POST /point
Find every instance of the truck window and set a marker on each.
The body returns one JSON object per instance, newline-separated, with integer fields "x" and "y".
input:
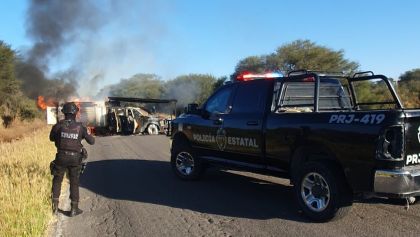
{"x": 373, "y": 95}
{"x": 332, "y": 96}
{"x": 249, "y": 97}
{"x": 299, "y": 96}
{"x": 218, "y": 103}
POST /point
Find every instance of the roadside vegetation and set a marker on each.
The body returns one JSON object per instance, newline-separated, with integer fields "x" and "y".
{"x": 19, "y": 129}
{"x": 25, "y": 184}
{"x": 14, "y": 104}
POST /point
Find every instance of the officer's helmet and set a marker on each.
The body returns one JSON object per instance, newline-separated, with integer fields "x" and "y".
{"x": 70, "y": 108}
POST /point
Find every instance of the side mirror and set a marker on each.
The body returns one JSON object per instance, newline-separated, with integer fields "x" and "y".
{"x": 205, "y": 114}
{"x": 191, "y": 109}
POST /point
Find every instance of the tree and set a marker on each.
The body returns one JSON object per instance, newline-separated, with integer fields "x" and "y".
{"x": 413, "y": 75}
{"x": 256, "y": 64}
{"x": 140, "y": 85}
{"x": 9, "y": 86}
{"x": 13, "y": 103}
{"x": 409, "y": 88}
{"x": 219, "y": 82}
{"x": 192, "y": 88}
{"x": 299, "y": 54}
{"x": 8, "y": 82}
{"x": 304, "y": 54}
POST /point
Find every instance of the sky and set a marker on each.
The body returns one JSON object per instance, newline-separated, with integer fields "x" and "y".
{"x": 174, "y": 37}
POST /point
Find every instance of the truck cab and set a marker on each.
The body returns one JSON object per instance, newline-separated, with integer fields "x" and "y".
{"x": 309, "y": 127}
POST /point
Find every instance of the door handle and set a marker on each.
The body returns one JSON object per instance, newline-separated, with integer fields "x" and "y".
{"x": 252, "y": 123}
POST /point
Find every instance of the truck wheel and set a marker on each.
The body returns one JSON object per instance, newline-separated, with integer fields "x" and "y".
{"x": 183, "y": 161}
{"x": 152, "y": 129}
{"x": 322, "y": 192}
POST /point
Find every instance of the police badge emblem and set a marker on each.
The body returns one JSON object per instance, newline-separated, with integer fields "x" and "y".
{"x": 221, "y": 139}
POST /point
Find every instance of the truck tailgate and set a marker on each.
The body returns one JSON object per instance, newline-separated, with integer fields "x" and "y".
{"x": 412, "y": 136}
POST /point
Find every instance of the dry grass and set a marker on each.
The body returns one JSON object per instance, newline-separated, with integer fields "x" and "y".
{"x": 25, "y": 184}
{"x": 19, "y": 129}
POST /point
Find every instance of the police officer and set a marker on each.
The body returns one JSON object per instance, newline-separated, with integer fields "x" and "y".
{"x": 67, "y": 135}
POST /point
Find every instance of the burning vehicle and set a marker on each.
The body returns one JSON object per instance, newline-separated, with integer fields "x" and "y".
{"x": 118, "y": 115}
{"x": 135, "y": 120}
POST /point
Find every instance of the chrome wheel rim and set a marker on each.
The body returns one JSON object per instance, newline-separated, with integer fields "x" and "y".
{"x": 184, "y": 163}
{"x": 315, "y": 192}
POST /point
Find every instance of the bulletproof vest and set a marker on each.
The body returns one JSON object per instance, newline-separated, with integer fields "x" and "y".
{"x": 70, "y": 136}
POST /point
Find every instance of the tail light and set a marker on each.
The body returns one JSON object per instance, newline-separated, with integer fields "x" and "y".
{"x": 391, "y": 144}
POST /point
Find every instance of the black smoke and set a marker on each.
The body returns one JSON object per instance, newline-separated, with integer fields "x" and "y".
{"x": 52, "y": 26}
{"x": 93, "y": 42}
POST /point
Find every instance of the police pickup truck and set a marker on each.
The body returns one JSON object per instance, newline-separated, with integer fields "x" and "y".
{"x": 324, "y": 132}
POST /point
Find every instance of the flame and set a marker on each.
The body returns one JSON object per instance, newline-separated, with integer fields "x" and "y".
{"x": 80, "y": 99}
{"x": 42, "y": 104}
{"x": 77, "y": 102}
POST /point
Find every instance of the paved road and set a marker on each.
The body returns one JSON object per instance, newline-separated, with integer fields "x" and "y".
{"x": 129, "y": 190}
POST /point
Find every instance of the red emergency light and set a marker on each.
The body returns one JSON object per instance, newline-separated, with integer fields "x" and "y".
{"x": 247, "y": 76}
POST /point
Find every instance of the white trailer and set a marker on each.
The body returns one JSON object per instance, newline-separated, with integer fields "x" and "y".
{"x": 91, "y": 114}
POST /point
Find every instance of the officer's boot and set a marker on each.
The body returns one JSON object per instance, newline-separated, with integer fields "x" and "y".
{"x": 55, "y": 206}
{"x": 75, "y": 209}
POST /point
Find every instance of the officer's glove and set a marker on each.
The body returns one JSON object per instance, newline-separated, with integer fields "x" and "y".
{"x": 84, "y": 154}
{"x": 83, "y": 167}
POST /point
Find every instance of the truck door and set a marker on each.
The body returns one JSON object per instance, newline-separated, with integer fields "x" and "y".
{"x": 285, "y": 125}
{"x": 206, "y": 127}
{"x": 243, "y": 126}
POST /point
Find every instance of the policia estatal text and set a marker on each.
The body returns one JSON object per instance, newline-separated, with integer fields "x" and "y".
{"x": 67, "y": 135}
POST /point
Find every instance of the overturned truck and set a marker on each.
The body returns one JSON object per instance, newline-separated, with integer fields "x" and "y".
{"x": 121, "y": 115}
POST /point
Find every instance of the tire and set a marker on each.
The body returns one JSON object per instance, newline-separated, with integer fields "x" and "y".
{"x": 185, "y": 164}
{"x": 152, "y": 129}
{"x": 322, "y": 192}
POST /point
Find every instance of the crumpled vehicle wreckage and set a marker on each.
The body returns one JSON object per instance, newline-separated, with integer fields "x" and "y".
{"x": 135, "y": 120}
{"x": 120, "y": 115}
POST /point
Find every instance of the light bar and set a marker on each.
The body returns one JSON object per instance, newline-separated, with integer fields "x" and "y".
{"x": 246, "y": 76}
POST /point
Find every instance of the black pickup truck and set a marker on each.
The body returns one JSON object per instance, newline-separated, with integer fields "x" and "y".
{"x": 311, "y": 128}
